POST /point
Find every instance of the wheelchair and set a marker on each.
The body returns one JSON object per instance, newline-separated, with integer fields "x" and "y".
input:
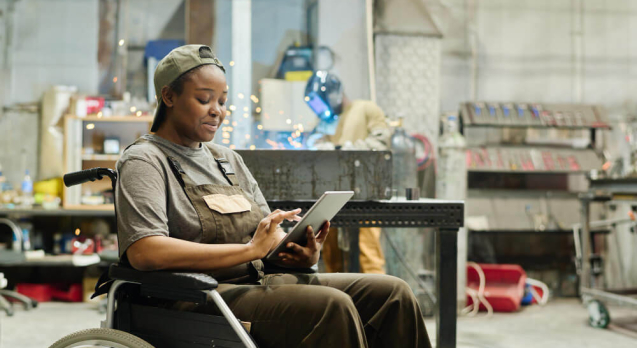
{"x": 133, "y": 319}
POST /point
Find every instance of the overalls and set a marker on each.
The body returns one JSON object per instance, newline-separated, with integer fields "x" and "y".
{"x": 226, "y": 213}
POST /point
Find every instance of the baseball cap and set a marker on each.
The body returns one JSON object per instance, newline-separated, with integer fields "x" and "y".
{"x": 176, "y": 63}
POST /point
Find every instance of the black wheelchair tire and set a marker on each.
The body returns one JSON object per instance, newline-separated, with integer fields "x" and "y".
{"x": 104, "y": 337}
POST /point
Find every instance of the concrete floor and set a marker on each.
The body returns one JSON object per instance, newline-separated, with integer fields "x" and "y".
{"x": 562, "y": 323}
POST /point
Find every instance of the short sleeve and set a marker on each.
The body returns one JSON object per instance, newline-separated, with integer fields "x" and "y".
{"x": 140, "y": 198}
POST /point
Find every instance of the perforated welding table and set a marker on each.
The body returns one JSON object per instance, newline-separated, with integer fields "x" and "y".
{"x": 446, "y": 217}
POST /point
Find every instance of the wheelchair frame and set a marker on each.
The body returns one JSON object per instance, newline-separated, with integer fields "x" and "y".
{"x": 158, "y": 326}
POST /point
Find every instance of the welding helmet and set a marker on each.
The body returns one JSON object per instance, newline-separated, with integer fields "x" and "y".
{"x": 324, "y": 95}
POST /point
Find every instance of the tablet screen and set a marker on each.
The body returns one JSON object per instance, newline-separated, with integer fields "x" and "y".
{"x": 322, "y": 211}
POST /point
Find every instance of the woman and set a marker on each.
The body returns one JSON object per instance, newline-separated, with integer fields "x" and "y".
{"x": 184, "y": 205}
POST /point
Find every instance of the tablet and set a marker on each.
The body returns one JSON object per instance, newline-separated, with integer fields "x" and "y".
{"x": 322, "y": 211}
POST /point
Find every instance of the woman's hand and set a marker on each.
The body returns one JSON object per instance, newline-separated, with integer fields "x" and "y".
{"x": 265, "y": 236}
{"x": 308, "y": 255}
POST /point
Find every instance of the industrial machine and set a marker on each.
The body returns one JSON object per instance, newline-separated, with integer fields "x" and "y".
{"x": 526, "y": 163}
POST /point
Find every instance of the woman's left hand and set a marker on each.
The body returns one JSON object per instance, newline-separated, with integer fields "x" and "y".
{"x": 306, "y": 256}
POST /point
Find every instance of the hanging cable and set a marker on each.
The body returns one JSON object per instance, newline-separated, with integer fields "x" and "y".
{"x": 413, "y": 274}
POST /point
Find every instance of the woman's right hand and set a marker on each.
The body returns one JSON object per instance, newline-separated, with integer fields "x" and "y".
{"x": 265, "y": 236}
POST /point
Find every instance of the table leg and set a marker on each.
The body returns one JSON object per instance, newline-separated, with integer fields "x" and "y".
{"x": 446, "y": 279}
{"x": 354, "y": 265}
{"x": 585, "y": 276}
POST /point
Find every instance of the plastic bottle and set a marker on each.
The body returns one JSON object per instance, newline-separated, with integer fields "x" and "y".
{"x": 2, "y": 180}
{"x": 404, "y": 160}
{"x": 26, "y": 200}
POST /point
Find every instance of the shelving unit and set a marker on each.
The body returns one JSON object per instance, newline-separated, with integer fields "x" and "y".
{"x": 522, "y": 187}
{"x": 80, "y": 151}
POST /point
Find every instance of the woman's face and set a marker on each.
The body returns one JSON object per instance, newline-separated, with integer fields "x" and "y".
{"x": 200, "y": 109}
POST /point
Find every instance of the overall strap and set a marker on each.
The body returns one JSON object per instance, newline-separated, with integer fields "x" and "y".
{"x": 182, "y": 177}
{"x": 224, "y": 166}
{"x": 226, "y": 169}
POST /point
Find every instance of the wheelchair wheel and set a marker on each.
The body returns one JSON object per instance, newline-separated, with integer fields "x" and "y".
{"x": 106, "y": 338}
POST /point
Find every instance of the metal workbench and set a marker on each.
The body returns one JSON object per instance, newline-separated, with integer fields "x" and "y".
{"x": 445, "y": 217}
{"x": 592, "y": 292}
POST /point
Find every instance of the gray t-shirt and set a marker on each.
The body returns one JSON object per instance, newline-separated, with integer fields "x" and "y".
{"x": 151, "y": 202}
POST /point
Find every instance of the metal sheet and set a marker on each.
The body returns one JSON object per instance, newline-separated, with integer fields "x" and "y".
{"x": 306, "y": 174}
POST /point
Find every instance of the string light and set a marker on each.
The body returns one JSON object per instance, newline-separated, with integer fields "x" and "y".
{"x": 288, "y": 121}
{"x": 133, "y": 109}
{"x": 115, "y": 79}
{"x": 226, "y": 121}
{"x": 231, "y": 63}
{"x": 232, "y": 147}
{"x": 139, "y": 113}
{"x": 246, "y": 115}
{"x": 77, "y": 231}
{"x": 234, "y": 123}
{"x": 259, "y": 127}
{"x": 252, "y": 147}
{"x": 225, "y": 135}
{"x": 240, "y": 95}
{"x": 245, "y": 108}
{"x": 99, "y": 114}
{"x": 258, "y": 109}
{"x": 226, "y": 141}
{"x": 121, "y": 42}
{"x": 232, "y": 107}
{"x": 228, "y": 113}
{"x": 90, "y": 126}
{"x": 307, "y": 98}
{"x": 247, "y": 136}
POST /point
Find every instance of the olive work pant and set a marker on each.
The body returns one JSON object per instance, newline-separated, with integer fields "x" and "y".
{"x": 326, "y": 310}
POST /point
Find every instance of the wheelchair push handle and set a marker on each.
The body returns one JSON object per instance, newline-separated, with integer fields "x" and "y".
{"x": 80, "y": 177}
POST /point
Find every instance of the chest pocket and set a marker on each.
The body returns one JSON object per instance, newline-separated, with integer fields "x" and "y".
{"x": 224, "y": 204}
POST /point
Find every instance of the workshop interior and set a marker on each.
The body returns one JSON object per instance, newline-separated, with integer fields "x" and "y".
{"x": 161, "y": 161}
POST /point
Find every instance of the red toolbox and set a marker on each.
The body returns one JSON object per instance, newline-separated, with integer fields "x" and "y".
{"x": 504, "y": 286}
{"x": 48, "y": 292}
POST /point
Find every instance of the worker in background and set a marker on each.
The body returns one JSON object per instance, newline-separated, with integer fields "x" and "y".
{"x": 348, "y": 125}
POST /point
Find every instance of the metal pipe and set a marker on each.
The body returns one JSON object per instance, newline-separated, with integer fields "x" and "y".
{"x": 110, "y": 304}
{"x": 17, "y": 231}
{"x": 234, "y": 322}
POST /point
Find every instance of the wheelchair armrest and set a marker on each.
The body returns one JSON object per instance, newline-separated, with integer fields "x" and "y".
{"x": 180, "y": 280}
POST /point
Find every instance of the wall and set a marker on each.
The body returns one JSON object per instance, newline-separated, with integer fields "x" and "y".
{"x": 531, "y": 50}
{"x": 42, "y": 47}
{"x": 150, "y": 20}
{"x": 342, "y": 28}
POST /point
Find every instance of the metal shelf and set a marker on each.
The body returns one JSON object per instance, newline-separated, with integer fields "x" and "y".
{"x": 95, "y": 118}
{"x": 535, "y": 159}
{"x": 535, "y": 126}
{"x": 100, "y": 157}
{"x": 101, "y": 210}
